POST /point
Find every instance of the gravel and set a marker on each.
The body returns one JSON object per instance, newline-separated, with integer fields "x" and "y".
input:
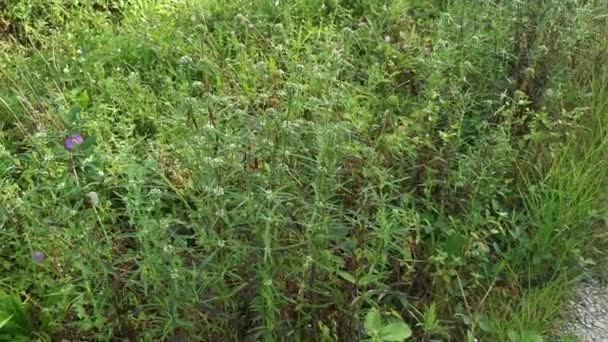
{"x": 590, "y": 312}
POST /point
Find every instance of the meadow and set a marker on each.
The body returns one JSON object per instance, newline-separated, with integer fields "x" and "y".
{"x": 303, "y": 170}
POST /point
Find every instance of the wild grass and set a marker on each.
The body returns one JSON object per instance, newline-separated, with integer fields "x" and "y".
{"x": 303, "y": 170}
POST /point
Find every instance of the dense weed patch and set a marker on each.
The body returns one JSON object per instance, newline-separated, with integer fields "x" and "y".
{"x": 306, "y": 170}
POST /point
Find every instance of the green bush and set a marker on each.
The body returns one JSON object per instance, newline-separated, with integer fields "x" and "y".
{"x": 285, "y": 169}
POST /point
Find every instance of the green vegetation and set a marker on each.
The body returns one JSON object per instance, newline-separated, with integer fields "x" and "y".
{"x": 327, "y": 170}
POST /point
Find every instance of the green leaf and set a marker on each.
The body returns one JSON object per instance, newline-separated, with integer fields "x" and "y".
{"x": 373, "y": 322}
{"x": 72, "y": 116}
{"x": 347, "y": 276}
{"x": 90, "y": 141}
{"x": 13, "y": 318}
{"x": 3, "y": 323}
{"x": 395, "y": 331}
{"x": 454, "y": 244}
{"x": 366, "y": 280}
{"x": 526, "y": 336}
{"x": 82, "y": 99}
{"x": 531, "y": 337}
{"x": 486, "y": 324}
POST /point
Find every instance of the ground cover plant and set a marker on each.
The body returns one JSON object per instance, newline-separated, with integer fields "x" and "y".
{"x": 323, "y": 170}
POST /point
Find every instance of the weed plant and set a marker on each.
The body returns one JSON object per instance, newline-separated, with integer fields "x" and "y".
{"x": 298, "y": 170}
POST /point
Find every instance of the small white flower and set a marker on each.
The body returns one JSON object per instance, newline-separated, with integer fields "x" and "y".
{"x": 155, "y": 193}
{"x": 185, "y": 60}
{"x": 221, "y": 244}
{"x": 66, "y": 70}
{"x": 168, "y": 249}
{"x": 197, "y": 84}
{"x": 174, "y": 274}
{"x": 40, "y": 135}
{"x": 79, "y": 52}
{"x": 387, "y": 39}
{"x": 218, "y": 191}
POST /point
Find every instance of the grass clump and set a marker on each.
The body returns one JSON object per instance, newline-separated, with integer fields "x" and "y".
{"x": 324, "y": 170}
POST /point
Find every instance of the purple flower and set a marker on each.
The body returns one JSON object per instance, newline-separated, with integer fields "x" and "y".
{"x": 38, "y": 257}
{"x": 72, "y": 141}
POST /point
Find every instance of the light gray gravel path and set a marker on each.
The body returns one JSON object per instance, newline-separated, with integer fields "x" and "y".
{"x": 590, "y": 312}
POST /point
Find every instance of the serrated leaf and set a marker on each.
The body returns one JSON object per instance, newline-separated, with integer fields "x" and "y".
{"x": 395, "y": 331}
{"x": 373, "y": 322}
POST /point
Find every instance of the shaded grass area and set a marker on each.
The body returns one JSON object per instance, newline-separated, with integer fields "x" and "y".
{"x": 288, "y": 170}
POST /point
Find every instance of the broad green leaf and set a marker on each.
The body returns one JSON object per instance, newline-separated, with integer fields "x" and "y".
{"x": 90, "y": 141}
{"x": 395, "y": 331}
{"x": 73, "y": 115}
{"x": 486, "y": 324}
{"x": 83, "y": 99}
{"x": 373, "y": 322}
{"x": 453, "y": 244}
{"x": 347, "y": 276}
